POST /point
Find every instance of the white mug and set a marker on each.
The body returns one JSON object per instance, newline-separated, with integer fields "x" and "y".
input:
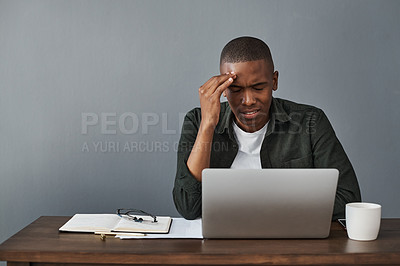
{"x": 363, "y": 220}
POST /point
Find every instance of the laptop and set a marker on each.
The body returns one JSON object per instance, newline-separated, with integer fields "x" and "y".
{"x": 268, "y": 203}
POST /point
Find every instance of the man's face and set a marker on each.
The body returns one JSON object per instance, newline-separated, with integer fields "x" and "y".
{"x": 250, "y": 94}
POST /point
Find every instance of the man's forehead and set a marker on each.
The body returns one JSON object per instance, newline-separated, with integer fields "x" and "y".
{"x": 248, "y": 73}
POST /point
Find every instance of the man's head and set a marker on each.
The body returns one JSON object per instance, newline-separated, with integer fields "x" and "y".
{"x": 244, "y": 49}
{"x": 250, "y": 94}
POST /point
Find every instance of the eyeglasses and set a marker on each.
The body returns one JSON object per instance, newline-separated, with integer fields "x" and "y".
{"x": 130, "y": 213}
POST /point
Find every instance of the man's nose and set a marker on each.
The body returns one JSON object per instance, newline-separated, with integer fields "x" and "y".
{"x": 248, "y": 97}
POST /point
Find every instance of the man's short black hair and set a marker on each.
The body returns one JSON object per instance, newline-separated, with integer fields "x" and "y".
{"x": 244, "y": 49}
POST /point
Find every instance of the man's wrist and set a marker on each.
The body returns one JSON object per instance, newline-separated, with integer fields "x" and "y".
{"x": 206, "y": 132}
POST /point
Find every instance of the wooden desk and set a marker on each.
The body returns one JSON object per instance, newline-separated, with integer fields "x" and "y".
{"x": 40, "y": 243}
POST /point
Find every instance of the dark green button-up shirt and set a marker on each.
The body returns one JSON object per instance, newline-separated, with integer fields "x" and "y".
{"x": 298, "y": 136}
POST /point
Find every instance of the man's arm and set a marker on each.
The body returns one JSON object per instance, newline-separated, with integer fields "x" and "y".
{"x": 195, "y": 144}
{"x": 187, "y": 190}
{"x": 329, "y": 153}
{"x": 209, "y": 94}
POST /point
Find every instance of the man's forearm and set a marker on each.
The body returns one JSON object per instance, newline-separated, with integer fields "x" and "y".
{"x": 199, "y": 157}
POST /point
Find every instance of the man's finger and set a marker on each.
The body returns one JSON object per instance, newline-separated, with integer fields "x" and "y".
{"x": 220, "y": 89}
{"x": 216, "y": 82}
{"x": 206, "y": 85}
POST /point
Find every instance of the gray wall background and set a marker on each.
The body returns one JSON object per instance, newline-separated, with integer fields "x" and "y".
{"x": 61, "y": 60}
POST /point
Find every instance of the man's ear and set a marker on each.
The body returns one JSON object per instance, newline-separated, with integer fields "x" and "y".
{"x": 224, "y": 93}
{"x": 275, "y": 81}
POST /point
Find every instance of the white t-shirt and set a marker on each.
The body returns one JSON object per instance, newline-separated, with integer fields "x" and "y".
{"x": 248, "y": 156}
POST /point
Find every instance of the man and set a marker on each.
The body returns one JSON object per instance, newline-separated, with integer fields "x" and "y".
{"x": 254, "y": 129}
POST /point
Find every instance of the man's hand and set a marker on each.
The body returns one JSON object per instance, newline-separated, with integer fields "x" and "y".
{"x": 210, "y": 94}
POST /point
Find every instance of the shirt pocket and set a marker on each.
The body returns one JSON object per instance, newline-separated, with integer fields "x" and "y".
{"x": 303, "y": 162}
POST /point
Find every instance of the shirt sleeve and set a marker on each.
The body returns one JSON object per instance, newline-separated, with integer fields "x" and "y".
{"x": 187, "y": 190}
{"x": 329, "y": 153}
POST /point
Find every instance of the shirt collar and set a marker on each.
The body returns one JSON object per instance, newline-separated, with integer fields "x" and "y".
{"x": 277, "y": 111}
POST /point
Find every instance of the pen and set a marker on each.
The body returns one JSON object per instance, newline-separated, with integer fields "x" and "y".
{"x": 107, "y": 233}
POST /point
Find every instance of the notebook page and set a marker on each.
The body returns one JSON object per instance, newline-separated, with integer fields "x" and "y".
{"x": 91, "y": 222}
{"x": 127, "y": 225}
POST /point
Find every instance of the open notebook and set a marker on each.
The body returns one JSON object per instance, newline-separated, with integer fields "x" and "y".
{"x": 91, "y": 223}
